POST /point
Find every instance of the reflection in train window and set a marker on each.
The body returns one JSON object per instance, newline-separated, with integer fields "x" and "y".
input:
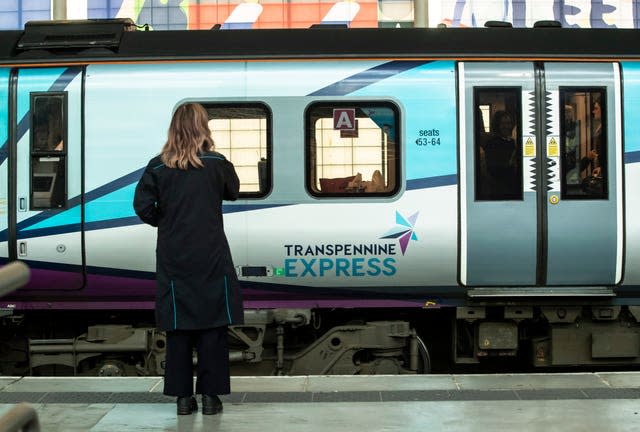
{"x": 583, "y": 143}
{"x": 47, "y": 120}
{"x": 352, "y": 149}
{"x": 48, "y": 150}
{"x": 497, "y": 138}
{"x": 242, "y": 132}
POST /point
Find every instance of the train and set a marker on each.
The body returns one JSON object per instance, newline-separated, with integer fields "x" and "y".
{"x": 412, "y": 200}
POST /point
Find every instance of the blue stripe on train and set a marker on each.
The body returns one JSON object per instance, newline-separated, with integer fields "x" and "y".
{"x": 632, "y": 157}
{"x": 368, "y": 77}
{"x": 101, "y": 213}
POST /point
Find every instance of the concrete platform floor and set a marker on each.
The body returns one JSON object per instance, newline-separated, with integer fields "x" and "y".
{"x": 540, "y": 402}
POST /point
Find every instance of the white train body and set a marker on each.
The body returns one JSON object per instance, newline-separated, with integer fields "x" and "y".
{"x": 369, "y": 183}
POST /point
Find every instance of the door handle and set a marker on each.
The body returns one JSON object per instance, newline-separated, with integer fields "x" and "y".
{"x": 22, "y": 204}
{"x": 22, "y": 249}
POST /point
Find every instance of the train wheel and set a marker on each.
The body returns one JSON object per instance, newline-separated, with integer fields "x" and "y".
{"x": 424, "y": 360}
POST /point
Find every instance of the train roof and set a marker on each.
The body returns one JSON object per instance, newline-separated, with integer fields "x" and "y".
{"x": 112, "y": 41}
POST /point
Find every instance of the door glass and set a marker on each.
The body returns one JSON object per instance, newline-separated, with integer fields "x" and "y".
{"x": 583, "y": 143}
{"x": 48, "y": 122}
{"x": 241, "y": 132}
{"x": 48, "y": 151}
{"x": 498, "y": 152}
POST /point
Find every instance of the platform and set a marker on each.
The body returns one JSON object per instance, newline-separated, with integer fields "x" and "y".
{"x": 540, "y": 402}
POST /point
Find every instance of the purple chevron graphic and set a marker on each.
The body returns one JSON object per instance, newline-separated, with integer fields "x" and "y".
{"x": 403, "y": 230}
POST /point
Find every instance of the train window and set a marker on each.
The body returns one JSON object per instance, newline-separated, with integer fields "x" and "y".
{"x": 583, "y": 143}
{"x": 352, "y": 149}
{"x": 241, "y": 132}
{"x": 48, "y": 150}
{"x": 497, "y": 143}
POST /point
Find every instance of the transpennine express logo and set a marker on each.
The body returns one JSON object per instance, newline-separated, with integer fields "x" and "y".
{"x": 347, "y": 259}
{"x": 403, "y": 230}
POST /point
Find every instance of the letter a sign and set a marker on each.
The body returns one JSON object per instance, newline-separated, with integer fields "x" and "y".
{"x": 344, "y": 119}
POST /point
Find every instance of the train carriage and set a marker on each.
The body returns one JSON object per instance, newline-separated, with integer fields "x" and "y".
{"x": 462, "y": 194}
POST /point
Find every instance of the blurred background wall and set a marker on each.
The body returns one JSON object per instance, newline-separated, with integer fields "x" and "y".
{"x": 234, "y": 14}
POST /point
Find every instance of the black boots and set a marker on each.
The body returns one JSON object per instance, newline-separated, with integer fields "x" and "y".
{"x": 211, "y": 405}
{"x": 187, "y": 405}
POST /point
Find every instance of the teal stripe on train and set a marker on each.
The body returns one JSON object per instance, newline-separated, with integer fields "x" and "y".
{"x": 631, "y": 104}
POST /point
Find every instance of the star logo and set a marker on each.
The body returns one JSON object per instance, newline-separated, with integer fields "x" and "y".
{"x": 403, "y": 230}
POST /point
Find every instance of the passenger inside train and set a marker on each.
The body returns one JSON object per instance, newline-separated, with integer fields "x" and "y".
{"x": 498, "y": 149}
{"x": 502, "y": 157}
{"x": 584, "y": 156}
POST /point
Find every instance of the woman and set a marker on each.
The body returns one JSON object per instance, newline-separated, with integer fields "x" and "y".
{"x": 198, "y": 296}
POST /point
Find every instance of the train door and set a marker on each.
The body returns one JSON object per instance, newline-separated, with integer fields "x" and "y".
{"x": 540, "y": 183}
{"x": 47, "y": 172}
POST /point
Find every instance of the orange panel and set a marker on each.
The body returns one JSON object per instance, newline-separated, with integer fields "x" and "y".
{"x": 202, "y": 17}
{"x": 280, "y": 14}
{"x": 273, "y": 12}
{"x": 305, "y": 12}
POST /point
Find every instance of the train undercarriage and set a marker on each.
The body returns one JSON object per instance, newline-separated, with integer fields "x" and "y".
{"x": 331, "y": 342}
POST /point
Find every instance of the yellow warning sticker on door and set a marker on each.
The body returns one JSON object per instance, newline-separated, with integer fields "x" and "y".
{"x": 529, "y": 148}
{"x": 552, "y": 148}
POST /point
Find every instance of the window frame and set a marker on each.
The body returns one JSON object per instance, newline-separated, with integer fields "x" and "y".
{"x": 269, "y": 140}
{"x": 562, "y": 99}
{"x": 61, "y": 155}
{"x": 309, "y": 153}
{"x": 516, "y": 91}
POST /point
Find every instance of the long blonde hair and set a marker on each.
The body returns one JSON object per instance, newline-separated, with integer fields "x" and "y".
{"x": 189, "y": 135}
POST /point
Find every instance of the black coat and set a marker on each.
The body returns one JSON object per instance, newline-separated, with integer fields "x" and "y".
{"x": 197, "y": 286}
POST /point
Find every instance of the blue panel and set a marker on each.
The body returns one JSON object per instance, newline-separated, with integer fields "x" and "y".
{"x": 95, "y": 13}
{"x": 631, "y": 80}
{"x": 9, "y": 5}
{"x": 4, "y": 108}
{"x": 237, "y": 25}
{"x": 68, "y": 217}
{"x": 162, "y": 14}
{"x": 115, "y": 205}
{"x": 9, "y": 21}
{"x": 36, "y": 5}
{"x": 104, "y": 8}
{"x": 427, "y": 93}
{"x": 4, "y": 122}
{"x": 104, "y": 4}
{"x": 336, "y": 22}
{"x": 40, "y": 15}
